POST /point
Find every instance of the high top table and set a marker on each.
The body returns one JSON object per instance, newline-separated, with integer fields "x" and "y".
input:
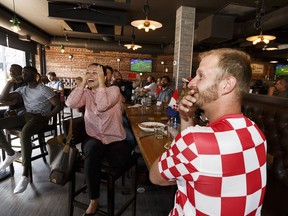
{"x": 149, "y": 146}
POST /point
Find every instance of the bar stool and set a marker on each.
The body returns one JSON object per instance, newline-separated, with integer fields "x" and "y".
{"x": 109, "y": 175}
{"x": 40, "y": 136}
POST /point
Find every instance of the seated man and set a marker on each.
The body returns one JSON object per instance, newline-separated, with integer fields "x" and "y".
{"x": 38, "y": 101}
{"x": 55, "y": 84}
{"x": 220, "y": 168}
{"x": 279, "y": 89}
{"x": 165, "y": 93}
{"x": 15, "y": 82}
{"x": 150, "y": 86}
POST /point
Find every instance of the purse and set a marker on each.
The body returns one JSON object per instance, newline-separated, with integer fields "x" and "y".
{"x": 62, "y": 156}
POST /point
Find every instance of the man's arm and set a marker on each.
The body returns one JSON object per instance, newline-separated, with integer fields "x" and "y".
{"x": 6, "y": 95}
{"x": 136, "y": 82}
{"x": 155, "y": 176}
{"x": 57, "y": 106}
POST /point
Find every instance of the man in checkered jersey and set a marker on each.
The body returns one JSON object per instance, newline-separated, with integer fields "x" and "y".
{"x": 219, "y": 169}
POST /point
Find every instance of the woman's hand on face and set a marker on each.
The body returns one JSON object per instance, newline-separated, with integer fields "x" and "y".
{"x": 101, "y": 76}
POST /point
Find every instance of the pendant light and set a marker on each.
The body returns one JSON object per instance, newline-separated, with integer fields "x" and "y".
{"x": 255, "y": 39}
{"x": 15, "y": 22}
{"x": 146, "y": 23}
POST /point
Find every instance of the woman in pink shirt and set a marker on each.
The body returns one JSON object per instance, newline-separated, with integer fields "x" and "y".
{"x": 103, "y": 123}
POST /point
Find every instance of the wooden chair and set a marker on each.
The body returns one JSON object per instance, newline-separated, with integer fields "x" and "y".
{"x": 109, "y": 175}
{"x": 15, "y": 133}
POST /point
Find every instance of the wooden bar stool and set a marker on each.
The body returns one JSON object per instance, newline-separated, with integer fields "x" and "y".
{"x": 40, "y": 137}
{"x": 109, "y": 175}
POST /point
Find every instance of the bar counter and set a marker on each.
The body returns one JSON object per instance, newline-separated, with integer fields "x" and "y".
{"x": 149, "y": 146}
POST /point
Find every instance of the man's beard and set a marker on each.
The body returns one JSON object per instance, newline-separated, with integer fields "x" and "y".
{"x": 208, "y": 95}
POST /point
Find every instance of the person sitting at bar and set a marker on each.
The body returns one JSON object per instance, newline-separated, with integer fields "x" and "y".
{"x": 53, "y": 83}
{"x": 38, "y": 101}
{"x": 165, "y": 93}
{"x": 109, "y": 75}
{"x": 279, "y": 89}
{"x": 158, "y": 83}
{"x": 125, "y": 86}
{"x": 150, "y": 87}
{"x": 104, "y": 126}
{"x": 16, "y": 82}
{"x": 220, "y": 168}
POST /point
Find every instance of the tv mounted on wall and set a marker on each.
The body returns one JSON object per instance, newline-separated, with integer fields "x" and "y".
{"x": 281, "y": 70}
{"x": 141, "y": 65}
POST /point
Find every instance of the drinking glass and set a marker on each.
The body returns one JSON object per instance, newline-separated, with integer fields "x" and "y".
{"x": 172, "y": 131}
{"x": 159, "y": 131}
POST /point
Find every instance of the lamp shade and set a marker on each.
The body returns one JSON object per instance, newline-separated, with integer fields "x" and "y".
{"x": 15, "y": 24}
{"x": 146, "y": 24}
{"x": 260, "y": 38}
{"x": 132, "y": 46}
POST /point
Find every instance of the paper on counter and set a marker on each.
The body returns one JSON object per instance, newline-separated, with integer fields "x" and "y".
{"x": 135, "y": 106}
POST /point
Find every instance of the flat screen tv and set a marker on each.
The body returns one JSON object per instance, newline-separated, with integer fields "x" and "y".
{"x": 141, "y": 65}
{"x": 281, "y": 70}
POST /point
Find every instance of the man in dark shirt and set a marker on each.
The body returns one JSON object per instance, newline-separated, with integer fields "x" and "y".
{"x": 16, "y": 76}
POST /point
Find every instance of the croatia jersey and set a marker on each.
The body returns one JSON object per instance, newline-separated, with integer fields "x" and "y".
{"x": 220, "y": 169}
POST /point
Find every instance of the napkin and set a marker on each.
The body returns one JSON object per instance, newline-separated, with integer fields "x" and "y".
{"x": 135, "y": 106}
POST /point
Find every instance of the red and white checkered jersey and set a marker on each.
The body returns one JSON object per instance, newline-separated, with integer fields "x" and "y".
{"x": 220, "y": 169}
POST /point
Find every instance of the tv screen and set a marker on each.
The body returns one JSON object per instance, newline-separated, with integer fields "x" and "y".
{"x": 141, "y": 65}
{"x": 281, "y": 70}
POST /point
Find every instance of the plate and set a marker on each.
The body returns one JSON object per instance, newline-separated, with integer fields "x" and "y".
{"x": 149, "y": 126}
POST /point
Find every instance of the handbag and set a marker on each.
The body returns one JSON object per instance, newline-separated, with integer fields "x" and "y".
{"x": 62, "y": 156}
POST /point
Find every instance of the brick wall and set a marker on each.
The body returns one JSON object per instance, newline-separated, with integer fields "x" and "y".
{"x": 65, "y": 67}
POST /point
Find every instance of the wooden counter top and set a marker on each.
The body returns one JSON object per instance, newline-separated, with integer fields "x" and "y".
{"x": 150, "y": 147}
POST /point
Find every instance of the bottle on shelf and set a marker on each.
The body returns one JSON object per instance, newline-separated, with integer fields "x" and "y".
{"x": 149, "y": 101}
{"x": 133, "y": 96}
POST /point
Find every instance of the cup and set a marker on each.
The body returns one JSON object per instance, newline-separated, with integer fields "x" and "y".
{"x": 172, "y": 131}
{"x": 159, "y": 131}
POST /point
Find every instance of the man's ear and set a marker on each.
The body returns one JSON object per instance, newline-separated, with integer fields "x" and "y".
{"x": 227, "y": 85}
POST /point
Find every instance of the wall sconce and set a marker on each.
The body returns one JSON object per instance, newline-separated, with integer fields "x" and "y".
{"x": 163, "y": 63}
{"x": 118, "y": 63}
{"x": 166, "y": 70}
{"x": 70, "y": 57}
{"x": 62, "y": 48}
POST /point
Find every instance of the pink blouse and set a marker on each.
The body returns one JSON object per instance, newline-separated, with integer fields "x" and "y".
{"x": 103, "y": 114}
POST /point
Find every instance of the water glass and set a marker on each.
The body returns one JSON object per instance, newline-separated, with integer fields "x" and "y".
{"x": 159, "y": 131}
{"x": 172, "y": 131}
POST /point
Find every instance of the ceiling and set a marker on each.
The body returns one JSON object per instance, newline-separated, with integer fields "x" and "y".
{"x": 105, "y": 24}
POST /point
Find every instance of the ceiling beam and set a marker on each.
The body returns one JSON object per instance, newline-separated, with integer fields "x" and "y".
{"x": 92, "y": 27}
{"x": 65, "y": 25}
{"x": 118, "y": 30}
{"x": 72, "y": 12}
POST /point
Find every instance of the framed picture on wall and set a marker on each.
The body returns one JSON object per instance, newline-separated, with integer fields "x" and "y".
{"x": 257, "y": 69}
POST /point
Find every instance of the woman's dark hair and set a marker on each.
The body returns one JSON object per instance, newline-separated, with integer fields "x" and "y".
{"x": 96, "y": 64}
{"x": 107, "y": 67}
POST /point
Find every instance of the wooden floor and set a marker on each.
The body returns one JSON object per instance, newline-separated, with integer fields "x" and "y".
{"x": 45, "y": 198}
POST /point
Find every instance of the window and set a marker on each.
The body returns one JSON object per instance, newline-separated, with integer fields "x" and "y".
{"x": 9, "y": 56}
